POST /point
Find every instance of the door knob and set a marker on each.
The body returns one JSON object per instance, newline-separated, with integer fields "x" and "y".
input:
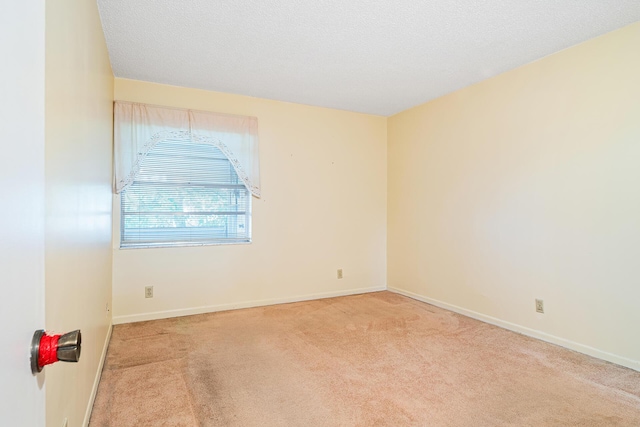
{"x": 48, "y": 349}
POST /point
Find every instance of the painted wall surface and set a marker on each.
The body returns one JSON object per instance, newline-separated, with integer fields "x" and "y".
{"x": 323, "y": 207}
{"x": 22, "y": 396}
{"x": 526, "y": 186}
{"x": 78, "y": 146}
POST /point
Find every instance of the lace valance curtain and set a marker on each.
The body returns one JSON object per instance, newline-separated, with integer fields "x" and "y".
{"x": 139, "y": 127}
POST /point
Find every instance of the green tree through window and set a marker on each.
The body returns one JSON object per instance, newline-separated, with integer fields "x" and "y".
{"x": 186, "y": 193}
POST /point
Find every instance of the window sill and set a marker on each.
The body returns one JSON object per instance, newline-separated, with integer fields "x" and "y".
{"x": 183, "y": 245}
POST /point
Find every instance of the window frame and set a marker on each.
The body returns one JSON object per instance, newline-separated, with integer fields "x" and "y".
{"x": 187, "y": 243}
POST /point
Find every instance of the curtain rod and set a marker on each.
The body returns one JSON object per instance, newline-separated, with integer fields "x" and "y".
{"x": 181, "y": 109}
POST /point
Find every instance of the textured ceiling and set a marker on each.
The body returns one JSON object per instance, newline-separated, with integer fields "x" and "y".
{"x": 371, "y": 56}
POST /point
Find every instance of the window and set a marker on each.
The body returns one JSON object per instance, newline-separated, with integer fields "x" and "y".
{"x": 185, "y": 177}
{"x": 186, "y": 193}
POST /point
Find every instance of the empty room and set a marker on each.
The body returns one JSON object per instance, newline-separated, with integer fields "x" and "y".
{"x": 320, "y": 213}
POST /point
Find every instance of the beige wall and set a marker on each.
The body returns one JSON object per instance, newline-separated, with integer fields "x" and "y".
{"x": 323, "y": 207}
{"x": 78, "y": 129}
{"x": 525, "y": 186}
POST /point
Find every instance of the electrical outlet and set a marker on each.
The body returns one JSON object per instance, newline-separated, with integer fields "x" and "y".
{"x": 148, "y": 291}
{"x": 539, "y": 306}
{"x": 106, "y": 309}
{"x": 339, "y": 273}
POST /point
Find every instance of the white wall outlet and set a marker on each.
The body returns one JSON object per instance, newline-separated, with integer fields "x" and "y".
{"x": 539, "y": 306}
{"x": 148, "y": 291}
{"x": 339, "y": 273}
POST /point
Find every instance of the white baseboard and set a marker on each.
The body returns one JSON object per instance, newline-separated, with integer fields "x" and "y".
{"x": 562, "y": 342}
{"x": 96, "y": 381}
{"x": 233, "y": 306}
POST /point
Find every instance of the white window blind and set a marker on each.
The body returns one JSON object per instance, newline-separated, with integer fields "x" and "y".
{"x": 186, "y": 193}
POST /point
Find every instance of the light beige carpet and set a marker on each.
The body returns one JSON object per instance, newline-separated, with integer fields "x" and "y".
{"x": 377, "y": 359}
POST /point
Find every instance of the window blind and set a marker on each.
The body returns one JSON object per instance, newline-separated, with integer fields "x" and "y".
{"x": 186, "y": 193}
